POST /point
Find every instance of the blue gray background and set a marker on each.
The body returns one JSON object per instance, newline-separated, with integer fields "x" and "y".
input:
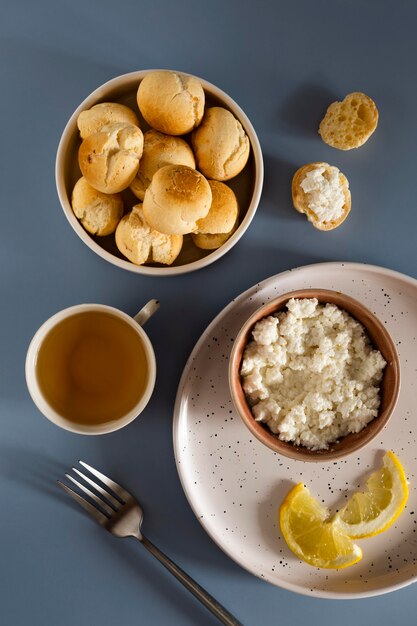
{"x": 283, "y": 62}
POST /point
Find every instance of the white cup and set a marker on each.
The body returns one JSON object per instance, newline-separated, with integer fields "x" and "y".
{"x": 136, "y": 322}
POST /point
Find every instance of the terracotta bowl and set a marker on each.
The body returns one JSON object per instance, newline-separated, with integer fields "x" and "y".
{"x": 247, "y": 185}
{"x": 389, "y": 389}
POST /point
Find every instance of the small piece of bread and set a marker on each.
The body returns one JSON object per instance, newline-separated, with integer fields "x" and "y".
{"x": 220, "y": 144}
{"x": 321, "y": 191}
{"x": 207, "y": 241}
{"x": 109, "y": 159}
{"x": 92, "y": 121}
{"x": 171, "y": 102}
{"x": 223, "y": 210}
{"x": 176, "y": 199}
{"x": 159, "y": 150}
{"x": 98, "y": 212}
{"x": 142, "y": 244}
{"x": 350, "y": 123}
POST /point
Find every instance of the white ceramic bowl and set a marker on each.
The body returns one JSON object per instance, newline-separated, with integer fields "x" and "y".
{"x": 247, "y": 185}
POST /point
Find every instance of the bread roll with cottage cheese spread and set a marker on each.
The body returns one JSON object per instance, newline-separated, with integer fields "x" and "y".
{"x": 350, "y": 123}
{"x": 142, "y": 244}
{"x": 98, "y": 212}
{"x": 220, "y": 144}
{"x": 176, "y": 199}
{"x": 171, "y": 102}
{"x": 321, "y": 191}
{"x": 159, "y": 150}
{"x": 93, "y": 120}
{"x": 109, "y": 159}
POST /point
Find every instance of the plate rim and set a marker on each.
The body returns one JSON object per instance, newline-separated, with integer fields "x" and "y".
{"x": 332, "y": 595}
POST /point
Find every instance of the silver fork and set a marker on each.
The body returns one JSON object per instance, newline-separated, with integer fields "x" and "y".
{"x": 122, "y": 516}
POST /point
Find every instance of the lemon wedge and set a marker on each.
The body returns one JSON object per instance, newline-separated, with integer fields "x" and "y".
{"x": 308, "y": 533}
{"x": 368, "y": 513}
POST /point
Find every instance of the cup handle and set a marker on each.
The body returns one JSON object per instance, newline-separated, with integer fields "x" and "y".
{"x": 146, "y": 312}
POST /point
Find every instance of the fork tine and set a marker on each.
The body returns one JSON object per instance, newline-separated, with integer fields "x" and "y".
{"x": 118, "y": 490}
{"x": 113, "y": 502}
{"x": 91, "y": 495}
{"x": 98, "y": 516}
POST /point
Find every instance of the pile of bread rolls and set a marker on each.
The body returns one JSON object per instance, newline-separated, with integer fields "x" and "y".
{"x": 179, "y": 181}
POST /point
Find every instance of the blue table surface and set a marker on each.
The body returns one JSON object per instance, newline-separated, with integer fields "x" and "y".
{"x": 283, "y": 62}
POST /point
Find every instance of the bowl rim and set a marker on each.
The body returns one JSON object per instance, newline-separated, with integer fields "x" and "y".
{"x": 287, "y": 449}
{"x": 98, "y": 95}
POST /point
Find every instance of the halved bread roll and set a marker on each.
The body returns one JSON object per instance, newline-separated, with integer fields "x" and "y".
{"x": 171, "y": 102}
{"x": 220, "y": 144}
{"x": 350, "y": 123}
{"x": 98, "y": 212}
{"x": 159, "y": 150}
{"x": 92, "y": 120}
{"x": 142, "y": 244}
{"x": 109, "y": 159}
{"x": 176, "y": 199}
{"x": 321, "y": 191}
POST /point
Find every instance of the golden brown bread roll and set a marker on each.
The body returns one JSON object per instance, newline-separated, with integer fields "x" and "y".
{"x": 91, "y": 121}
{"x": 220, "y": 144}
{"x": 212, "y": 241}
{"x": 171, "y": 102}
{"x": 142, "y": 244}
{"x": 321, "y": 191}
{"x": 109, "y": 159}
{"x": 176, "y": 199}
{"x": 223, "y": 210}
{"x": 159, "y": 150}
{"x": 350, "y": 123}
{"x": 98, "y": 212}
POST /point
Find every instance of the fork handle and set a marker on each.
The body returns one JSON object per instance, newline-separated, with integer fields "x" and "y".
{"x": 205, "y": 598}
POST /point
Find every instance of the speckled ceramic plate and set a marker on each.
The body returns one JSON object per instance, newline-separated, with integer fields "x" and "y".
{"x": 235, "y": 484}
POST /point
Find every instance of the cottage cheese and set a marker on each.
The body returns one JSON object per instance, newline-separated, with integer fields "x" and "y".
{"x": 325, "y": 196}
{"x": 311, "y": 374}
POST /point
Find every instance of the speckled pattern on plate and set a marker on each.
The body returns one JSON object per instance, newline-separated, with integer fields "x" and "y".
{"x": 235, "y": 484}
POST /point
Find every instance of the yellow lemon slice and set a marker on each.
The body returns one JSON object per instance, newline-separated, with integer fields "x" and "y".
{"x": 308, "y": 533}
{"x": 370, "y": 512}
